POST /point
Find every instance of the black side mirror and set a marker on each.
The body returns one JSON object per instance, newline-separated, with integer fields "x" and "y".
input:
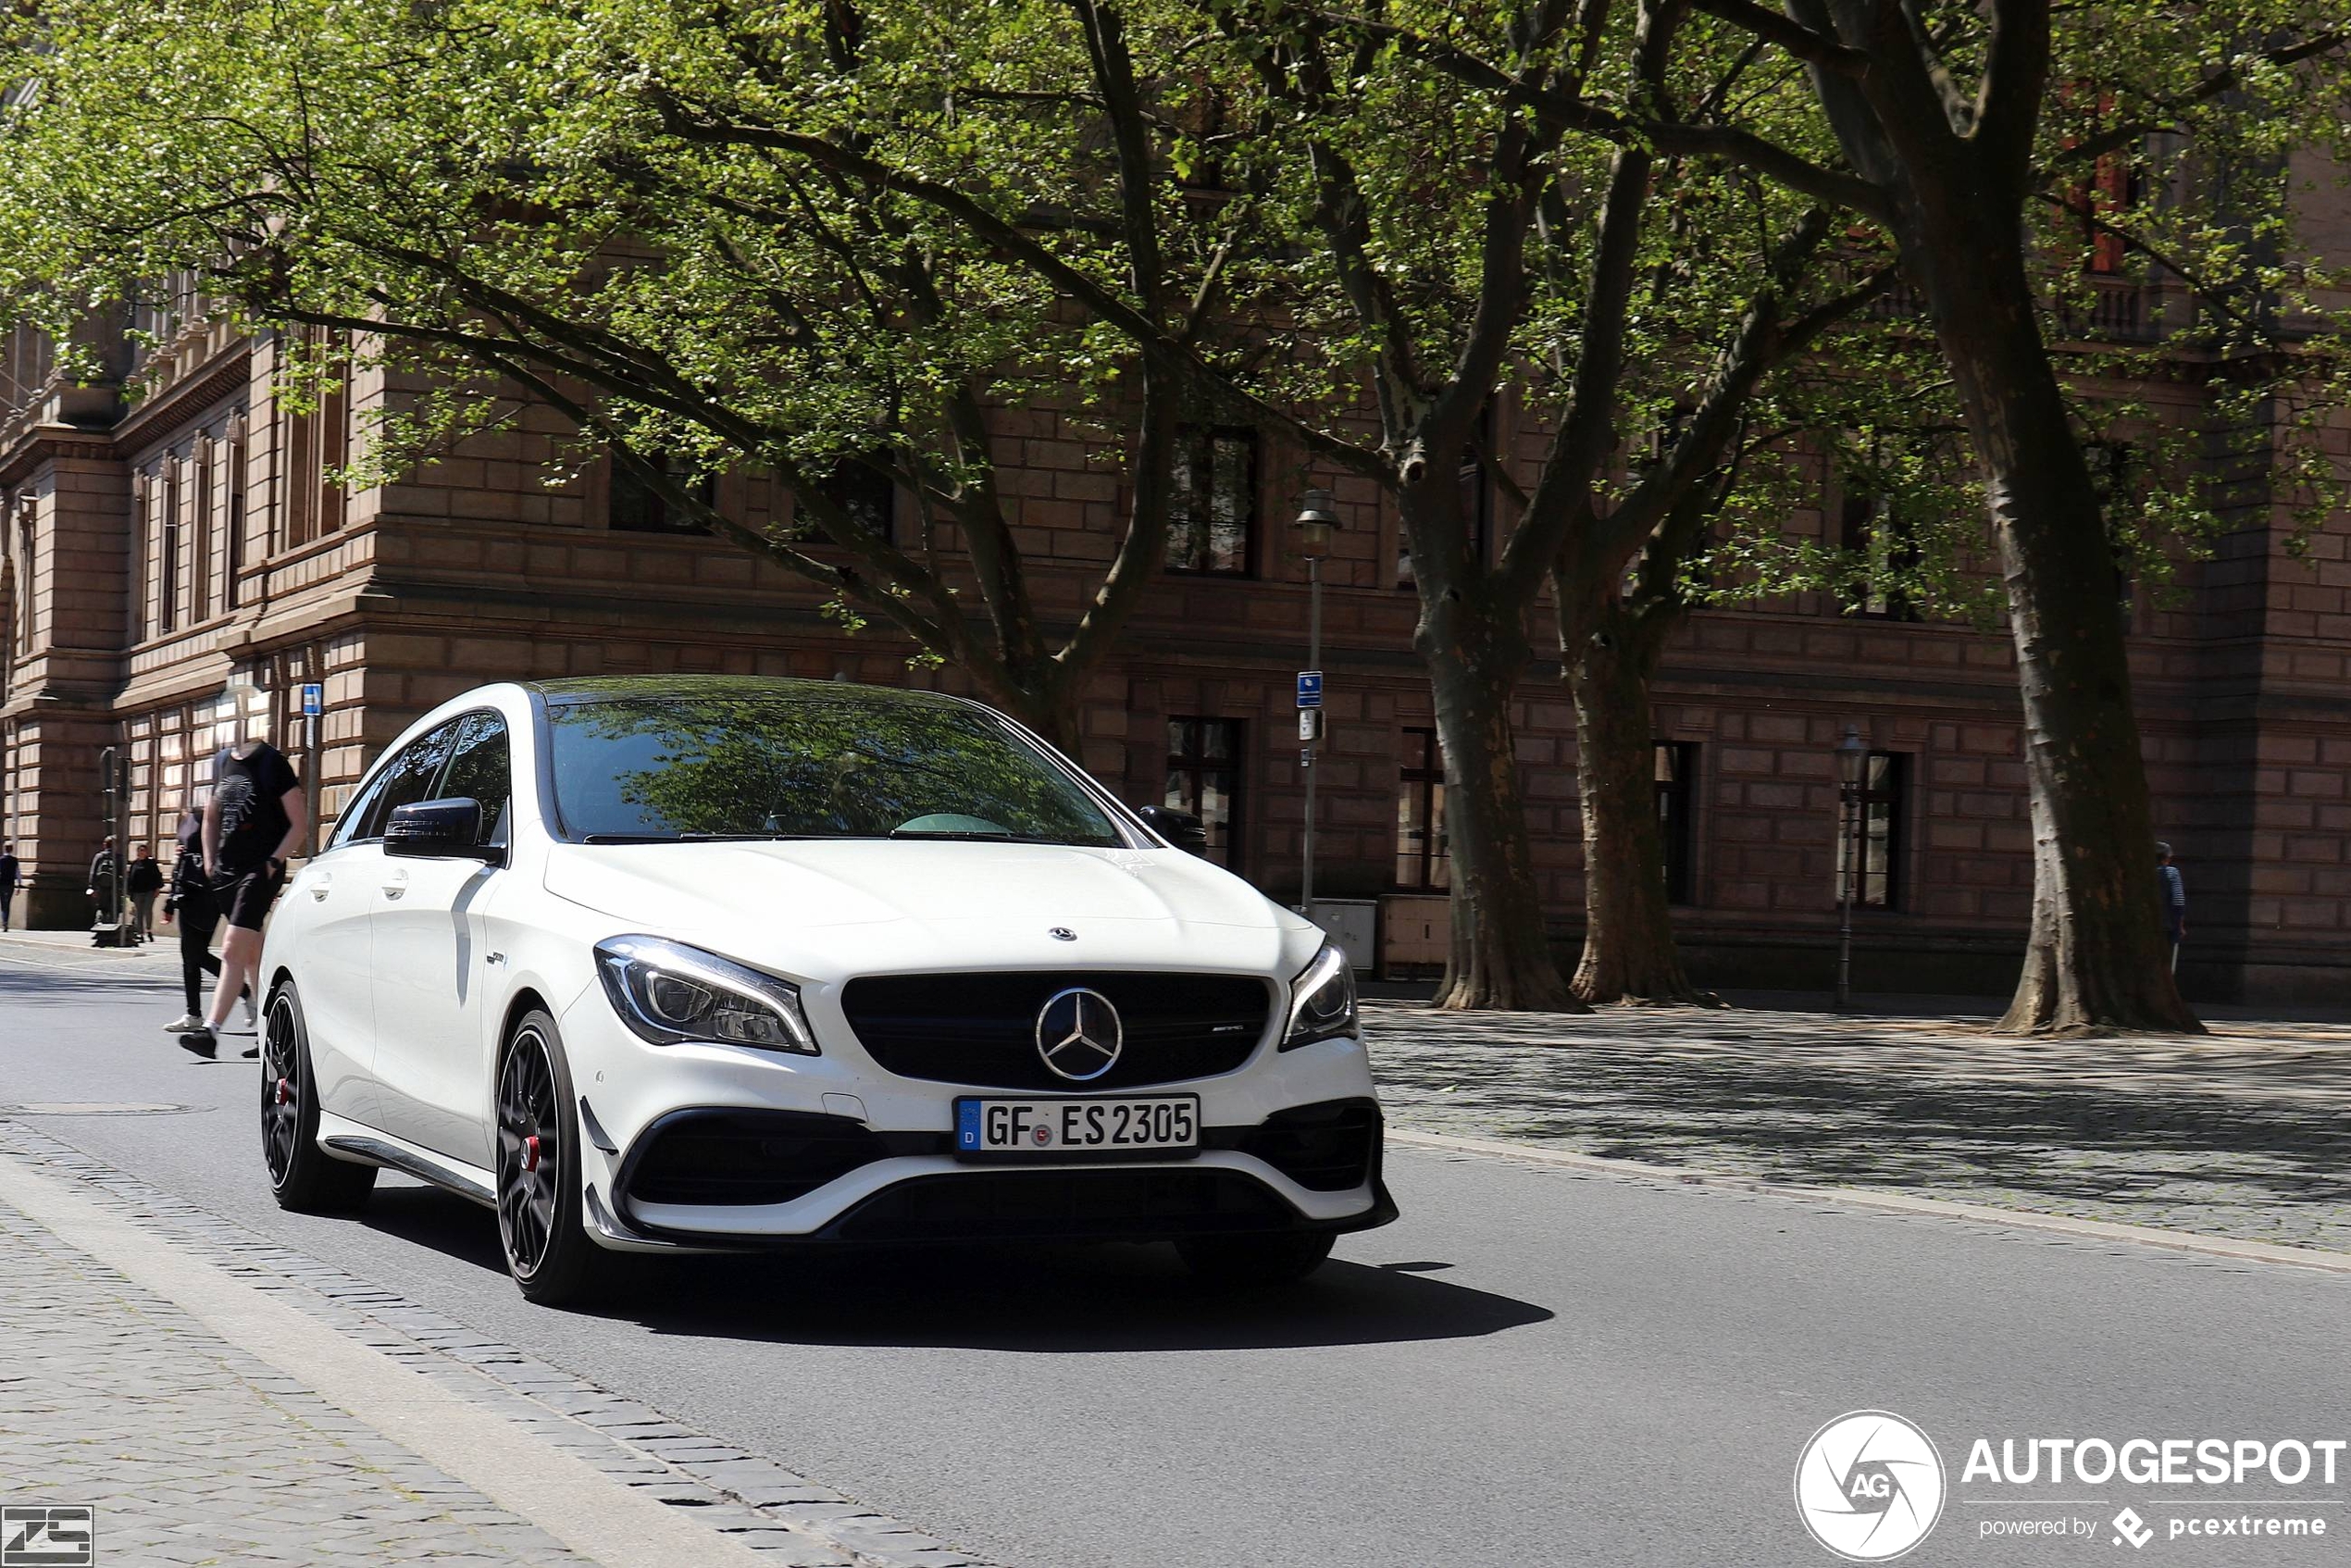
{"x": 447, "y": 829}
{"x": 1180, "y": 828}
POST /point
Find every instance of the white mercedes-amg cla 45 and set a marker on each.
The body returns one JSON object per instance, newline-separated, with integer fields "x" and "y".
{"x": 705, "y": 963}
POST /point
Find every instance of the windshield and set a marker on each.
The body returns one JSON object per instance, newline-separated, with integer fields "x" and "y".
{"x": 817, "y": 766}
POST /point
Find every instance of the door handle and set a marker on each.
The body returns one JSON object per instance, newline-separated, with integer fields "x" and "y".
{"x": 397, "y": 885}
{"x": 321, "y": 883}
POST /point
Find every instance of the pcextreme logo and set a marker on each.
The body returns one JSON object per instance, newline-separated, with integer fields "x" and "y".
{"x": 1869, "y": 1486}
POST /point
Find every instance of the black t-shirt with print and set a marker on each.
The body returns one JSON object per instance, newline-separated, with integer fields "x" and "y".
{"x": 251, "y": 790}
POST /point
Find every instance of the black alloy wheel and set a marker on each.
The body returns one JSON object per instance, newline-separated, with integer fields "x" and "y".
{"x": 540, "y": 1224}
{"x": 302, "y": 1176}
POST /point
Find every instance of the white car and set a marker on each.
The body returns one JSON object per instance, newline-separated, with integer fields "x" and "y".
{"x": 710, "y": 964}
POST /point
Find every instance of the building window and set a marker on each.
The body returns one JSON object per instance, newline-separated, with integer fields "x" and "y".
{"x": 865, "y": 492}
{"x": 1204, "y": 776}
{"x": 233, "y": 526}
{"x": 1880, "y": 833}
{"x": 632, "y": 505}
{"x": 167, "y": 574}
{"x": 1478, "y": 503}
{"x": 1211, "y": 514}
{"x": 1878, "y": 537}
{"x": 1676, "y": 767}
{"x": 1424, "y": 859}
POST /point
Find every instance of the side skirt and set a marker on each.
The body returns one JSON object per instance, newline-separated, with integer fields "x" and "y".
{"x": 447, "y": 1174}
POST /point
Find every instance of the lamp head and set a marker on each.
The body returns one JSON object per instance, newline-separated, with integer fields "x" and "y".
{"x": 1850, "y": 753}
{"x": 1317, "y": 517}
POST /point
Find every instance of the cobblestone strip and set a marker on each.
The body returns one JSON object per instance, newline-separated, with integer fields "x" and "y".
{"x": 191, "y": 1451}
{"x": 2244, "y": 1134}
{"x": 796, "y": 1522}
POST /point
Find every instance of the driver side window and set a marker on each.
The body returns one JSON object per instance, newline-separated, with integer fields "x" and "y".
{"x": 481, "y": 770}
{"x": 408, "y": 778}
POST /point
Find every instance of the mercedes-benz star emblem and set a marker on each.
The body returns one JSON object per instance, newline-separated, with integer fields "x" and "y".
{"x": 1063, "y": 934}
{"x": 1078, "y": 1034}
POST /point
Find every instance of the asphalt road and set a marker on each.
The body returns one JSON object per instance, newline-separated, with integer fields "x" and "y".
{"x": 1533, "y": 1366}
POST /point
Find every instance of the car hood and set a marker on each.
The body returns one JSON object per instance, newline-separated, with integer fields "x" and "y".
{"x": 869, "y": 905}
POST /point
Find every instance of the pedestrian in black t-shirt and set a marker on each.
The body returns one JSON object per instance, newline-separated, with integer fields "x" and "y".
{"x": 10, "y": 875}
{"x": 190, "y": 902}
{"x": 252, "y": 821}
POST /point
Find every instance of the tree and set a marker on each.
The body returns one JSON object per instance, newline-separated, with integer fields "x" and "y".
{"x": 1960, "y": 130}
{"x": 1397, "y": 238}
{"x": 488, "y": 202}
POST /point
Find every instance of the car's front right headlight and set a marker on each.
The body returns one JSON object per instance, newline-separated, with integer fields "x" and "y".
{"x": 669, "y": 994}
{"x": 1322, "y": 1001}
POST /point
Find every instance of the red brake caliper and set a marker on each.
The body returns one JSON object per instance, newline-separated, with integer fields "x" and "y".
{"x": 285, "y": 1092}
{"x": 530, "y": 1153}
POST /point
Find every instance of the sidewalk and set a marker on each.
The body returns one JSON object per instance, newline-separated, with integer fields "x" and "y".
{"x": 2245, "y": 1133}
{"x": 216, "y": 1397}
{"x": 160, "y": 956}
{"x": 189, "y": 1452}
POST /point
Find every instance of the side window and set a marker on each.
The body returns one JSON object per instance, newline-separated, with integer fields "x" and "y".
{"x": 482, "y": 770}
{"x": 409, "y": 777}
{"x": 357, "y": 811}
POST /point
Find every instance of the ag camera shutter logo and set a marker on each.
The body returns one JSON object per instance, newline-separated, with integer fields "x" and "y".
{"x": 1869, "y": 1486}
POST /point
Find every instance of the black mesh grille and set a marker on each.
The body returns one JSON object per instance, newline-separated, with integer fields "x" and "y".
{"x": 1325, "y": 1148}
{"x": 981, "y": 1029}
{"x": 1107, "y": 1203}
{"x": 743, "y": 1156}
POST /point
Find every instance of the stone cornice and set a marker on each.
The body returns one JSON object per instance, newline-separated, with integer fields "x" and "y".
{"x": 42, "y": 444}
{"x": 227, "y": 373}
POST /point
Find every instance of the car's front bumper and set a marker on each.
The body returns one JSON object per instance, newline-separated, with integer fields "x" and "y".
{"x": 1272, "y": 1157}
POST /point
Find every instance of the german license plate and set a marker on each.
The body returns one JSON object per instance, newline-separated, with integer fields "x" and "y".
{"x": 1125, "y": 1124}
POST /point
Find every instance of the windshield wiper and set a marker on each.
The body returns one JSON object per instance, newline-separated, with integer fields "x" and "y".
{"x": 981, "y": 835}
{"x": 699, "y": 838}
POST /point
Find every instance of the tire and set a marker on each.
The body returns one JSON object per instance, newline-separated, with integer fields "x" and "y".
{"x": 1240, "y": 1261}
{"x": 302, "y": 1176}
{"x": 540, "y": 1228}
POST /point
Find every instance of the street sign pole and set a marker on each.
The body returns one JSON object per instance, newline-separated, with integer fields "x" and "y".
{"x": 1306, "y": 752}
{"x": 314, "y": 702}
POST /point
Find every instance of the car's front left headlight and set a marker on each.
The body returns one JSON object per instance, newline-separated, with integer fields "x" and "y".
{"x": 1322, "y": 1001}
{"x": 669, "y": 994}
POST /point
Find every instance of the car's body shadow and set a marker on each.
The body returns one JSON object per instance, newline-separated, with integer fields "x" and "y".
{"x": 986, "y": 1297}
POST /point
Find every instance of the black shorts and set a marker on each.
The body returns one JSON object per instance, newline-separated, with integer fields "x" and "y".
{"x": 244, "y": 897}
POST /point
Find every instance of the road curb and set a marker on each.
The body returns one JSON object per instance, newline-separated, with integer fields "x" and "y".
{"x": 2227, "y": 1247}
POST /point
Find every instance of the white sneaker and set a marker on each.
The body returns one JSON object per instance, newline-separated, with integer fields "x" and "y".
{"x": 183, "y": 1024}
{"x": 252, "y": 1024}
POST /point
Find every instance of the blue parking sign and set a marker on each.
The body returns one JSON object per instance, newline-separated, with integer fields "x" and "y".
{"x": 1310, "y": 688}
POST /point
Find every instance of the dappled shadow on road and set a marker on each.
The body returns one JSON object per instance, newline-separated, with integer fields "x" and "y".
{"x": 1840, "y": 1110}
{"x": 1044, "y": 1299}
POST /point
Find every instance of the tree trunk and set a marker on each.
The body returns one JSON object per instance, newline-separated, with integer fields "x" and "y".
{"x": 2095, "y": 958}
{"x": 1500, "y": 955}
{"x": 1628, "y": 929}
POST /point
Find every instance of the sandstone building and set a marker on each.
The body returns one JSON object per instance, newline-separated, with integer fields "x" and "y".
{"x": 173, "y": 559}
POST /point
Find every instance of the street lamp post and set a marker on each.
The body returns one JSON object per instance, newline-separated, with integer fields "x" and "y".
{"x": 1850, "y": 755}
{"x": 1317, "y": 517}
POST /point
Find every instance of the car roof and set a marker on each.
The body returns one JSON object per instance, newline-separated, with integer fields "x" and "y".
{"x": 596, "y": 688}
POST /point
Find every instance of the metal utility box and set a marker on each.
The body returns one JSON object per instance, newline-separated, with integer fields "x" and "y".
{"x": 1416, "y": 935}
